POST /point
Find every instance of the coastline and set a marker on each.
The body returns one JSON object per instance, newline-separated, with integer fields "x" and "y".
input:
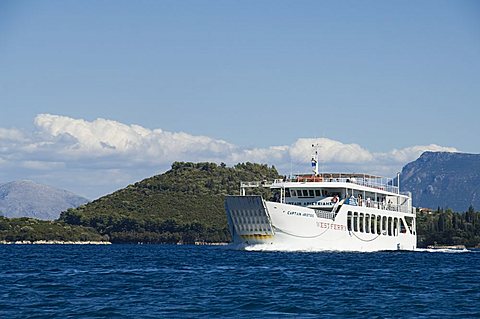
{"x": 53, "y": 242}
{"x": 60, "y": 242}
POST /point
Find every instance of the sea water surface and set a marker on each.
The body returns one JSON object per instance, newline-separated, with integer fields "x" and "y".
{"x": 162, "y": 281}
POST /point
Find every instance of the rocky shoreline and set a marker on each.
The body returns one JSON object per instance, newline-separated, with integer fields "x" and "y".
{"x": 54, "y": 242}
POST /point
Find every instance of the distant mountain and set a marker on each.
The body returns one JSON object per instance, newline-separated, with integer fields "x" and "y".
{"x": 448, "y": 180}
{"x": 29, "y": 199}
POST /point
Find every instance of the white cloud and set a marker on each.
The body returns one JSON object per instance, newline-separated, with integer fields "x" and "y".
{"x": 11, "y": 135}
{"x": 101, "y": 138}
{"x": 105, "y": 152}
{"x": 263, "y": 155}
{"x": 409, "y": 154}
{"x": 329, "y": 151}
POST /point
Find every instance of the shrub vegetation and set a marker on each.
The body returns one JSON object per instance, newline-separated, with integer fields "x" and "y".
{"x": 186, "y": 205}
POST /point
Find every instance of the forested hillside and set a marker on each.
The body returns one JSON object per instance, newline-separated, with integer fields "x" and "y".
{"x": 450, "y": 228}
{"x": 30, "y": 229}
{"x": 185, "y": 204}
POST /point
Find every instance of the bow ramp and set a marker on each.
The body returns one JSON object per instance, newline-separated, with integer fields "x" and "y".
{"x": 248, "y": 219}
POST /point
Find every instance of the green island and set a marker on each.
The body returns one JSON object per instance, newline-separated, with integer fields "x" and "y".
{"x": 186, "y": 205}
{"x": 446, "y": 227}
{"x": 34, "y": 230}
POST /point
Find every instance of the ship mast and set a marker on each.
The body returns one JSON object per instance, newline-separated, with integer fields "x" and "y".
{"x": 315, "y": 159}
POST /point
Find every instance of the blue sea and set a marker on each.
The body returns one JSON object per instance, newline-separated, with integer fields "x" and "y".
{"x": 162, "y": 281}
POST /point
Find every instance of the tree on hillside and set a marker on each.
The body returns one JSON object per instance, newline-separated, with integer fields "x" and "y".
{"x": 184, "y": 204}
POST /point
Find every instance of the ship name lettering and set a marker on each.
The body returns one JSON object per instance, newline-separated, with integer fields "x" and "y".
{"x": 294, "y": 213}
{"x": 331, "y": 226}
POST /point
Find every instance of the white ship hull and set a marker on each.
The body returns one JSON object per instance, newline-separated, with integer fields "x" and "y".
{"x": 253, "y": 221}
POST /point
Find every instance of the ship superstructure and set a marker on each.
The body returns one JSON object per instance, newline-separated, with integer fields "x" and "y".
{"x": 324, "y": 211}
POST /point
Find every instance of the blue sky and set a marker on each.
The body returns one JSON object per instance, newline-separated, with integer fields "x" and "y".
{"x": 377, "y": 81}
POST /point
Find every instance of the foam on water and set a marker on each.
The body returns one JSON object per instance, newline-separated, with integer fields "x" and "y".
{"x": 284, "y": 248}
{"x": 291, "y": 248}
{"x": 443, "y": 250}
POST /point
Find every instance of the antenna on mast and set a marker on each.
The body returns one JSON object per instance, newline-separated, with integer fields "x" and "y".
{"x": 315, "y": 159}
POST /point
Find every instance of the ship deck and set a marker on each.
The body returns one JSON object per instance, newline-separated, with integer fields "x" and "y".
{"x": 365, "y": 180}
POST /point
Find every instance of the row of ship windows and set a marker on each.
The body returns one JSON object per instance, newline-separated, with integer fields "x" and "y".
{"x": 375, "y": 224}
{"x": 305, "y": 193}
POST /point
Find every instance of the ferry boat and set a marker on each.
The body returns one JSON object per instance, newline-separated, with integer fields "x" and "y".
{"x": 324, "y": 211}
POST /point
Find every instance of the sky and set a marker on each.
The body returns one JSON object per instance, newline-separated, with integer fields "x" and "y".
{"x": 96, "y": 95}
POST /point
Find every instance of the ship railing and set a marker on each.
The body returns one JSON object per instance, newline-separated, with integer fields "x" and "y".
{"x": 256, "y": 184}
{"x": 408, "y": 194}
{"x": 402, "y": 208}
{"x": 384, "y": 184}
